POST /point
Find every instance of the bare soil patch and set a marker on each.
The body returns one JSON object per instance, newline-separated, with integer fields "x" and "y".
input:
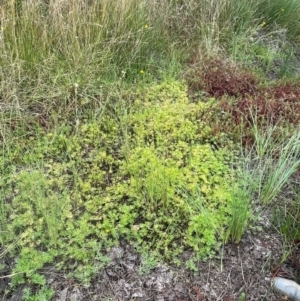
{"x": 245, "y": 268}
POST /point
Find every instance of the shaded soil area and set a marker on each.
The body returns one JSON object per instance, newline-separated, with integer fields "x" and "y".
{"x": 245, "y": 268}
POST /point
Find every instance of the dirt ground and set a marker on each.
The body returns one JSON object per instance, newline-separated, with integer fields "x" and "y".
{"x": 245, "y": 268}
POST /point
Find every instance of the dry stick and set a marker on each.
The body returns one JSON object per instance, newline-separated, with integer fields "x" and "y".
{"x": 223, "y": 294}
{"x": 228, "y": 280}
{"x": 241, "y": 264}
{"x": 11, "y": 275}
{"x": 208, "y": 275}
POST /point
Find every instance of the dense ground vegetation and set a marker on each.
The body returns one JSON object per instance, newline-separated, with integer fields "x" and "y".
{"x": 170, "y": 124}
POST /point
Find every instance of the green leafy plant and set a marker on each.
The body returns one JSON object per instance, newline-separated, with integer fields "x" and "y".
{"x": 159, "y": 185}
{"x": 148, "y": 263}
{"x": 170, "y": 161}
{"x": 43, "y": 294}
{"x": 28, "y": 264}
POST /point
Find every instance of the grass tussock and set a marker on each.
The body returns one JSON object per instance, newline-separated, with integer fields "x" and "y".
{"x": 54, "y": 46}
